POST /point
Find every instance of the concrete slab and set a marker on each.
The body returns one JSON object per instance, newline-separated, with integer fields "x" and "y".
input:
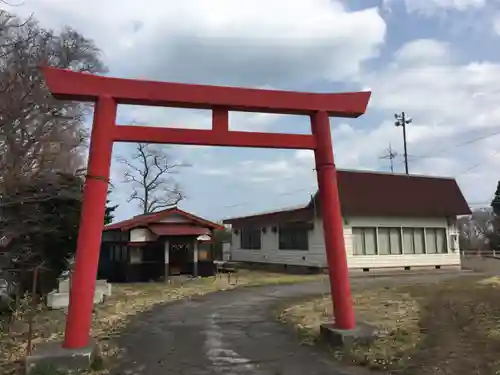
{"x": 57, "y": 300}
{"x": 100, "y": 285}
{"x": 361, "y": 334}
{"x": 53, "y": 356}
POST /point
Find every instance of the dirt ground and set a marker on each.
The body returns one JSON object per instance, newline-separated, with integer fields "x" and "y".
{"x": 113, "y": 315}
{"x": 481, "y": 264}
{"x": 438, "y": 327}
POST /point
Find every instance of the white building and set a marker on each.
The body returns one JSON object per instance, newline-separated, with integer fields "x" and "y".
{"x": 390, "y": 221}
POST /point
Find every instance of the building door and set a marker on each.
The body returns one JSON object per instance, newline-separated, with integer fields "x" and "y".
{"x": 180, "y": 257}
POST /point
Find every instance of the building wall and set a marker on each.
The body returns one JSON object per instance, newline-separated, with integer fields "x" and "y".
{"x": 316, "y": 257}
{"x": 270, "y": 252}
{"x": 114, "y": 236}
{"x": 141, "y": 235}
{"x": 175, "y": 218}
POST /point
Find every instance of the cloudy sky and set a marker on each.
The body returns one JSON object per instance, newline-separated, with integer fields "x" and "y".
{"x": 437, "y": 60}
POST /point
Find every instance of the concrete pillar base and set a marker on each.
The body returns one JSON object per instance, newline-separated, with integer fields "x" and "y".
{"x": 361, "y": 334}
{"x": 52, "y": 356}
{"x": 166, "y": 277}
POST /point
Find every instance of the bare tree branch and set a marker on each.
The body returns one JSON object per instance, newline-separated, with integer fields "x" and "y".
{"x": 475, "y": 230}
{"x": 42, "y": 141}
{"x": 31, "y": 121}
{"x": 150, "y": 174}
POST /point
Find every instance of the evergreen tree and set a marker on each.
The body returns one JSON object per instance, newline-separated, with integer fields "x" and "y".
{"x": 494, "y": 236}
{"x": 109, "y": 214}
{"x": 41, "y": 217}
{"x": 495, "y": 203}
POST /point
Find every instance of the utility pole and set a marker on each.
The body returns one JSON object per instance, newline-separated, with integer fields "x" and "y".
{"x": 391, "y": 155}
{"x": 402, "y": 120}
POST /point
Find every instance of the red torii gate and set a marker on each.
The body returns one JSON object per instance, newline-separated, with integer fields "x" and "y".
{"x": 108, "y": 92}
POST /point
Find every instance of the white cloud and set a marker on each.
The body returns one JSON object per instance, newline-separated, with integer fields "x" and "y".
{"x": 260, "y": 42}
{"x": 286, "y": 44}
{"x": 215, "y": 172}
{"x": 423, "y": 52}
{"x": 444, "y": 97}
{"x": 450, "y": 103}
{"x": 279, "y": 174}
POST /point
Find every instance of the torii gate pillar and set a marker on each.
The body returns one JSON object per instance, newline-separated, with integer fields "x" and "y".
{"x": 107, "y": 93}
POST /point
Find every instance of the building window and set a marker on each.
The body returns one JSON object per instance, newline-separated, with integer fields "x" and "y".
{"x": 436, "y": 240}
{"x": 118, "y": 253}
{"x": 250, "y": 238}
{"x": 413, "y": 241}
{"x": 293, "y": 238}
{"x": 389, "y": 241}
{"x": 124, "y": 253}
{"x": 364, "y": 241}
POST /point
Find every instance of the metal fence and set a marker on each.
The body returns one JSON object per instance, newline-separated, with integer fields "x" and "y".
{"x": 481, "y": 253}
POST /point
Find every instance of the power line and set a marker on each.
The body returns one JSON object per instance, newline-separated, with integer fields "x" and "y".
{"x": 245, "y": 203}
{"x": 470, "y": 141}
{"x": 471, "y": 168}
{"x": 474, "y": 166}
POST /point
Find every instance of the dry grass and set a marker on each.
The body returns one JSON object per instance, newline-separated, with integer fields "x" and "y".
{"x": 127, "y": 300}
{"x": 450, "y": 327}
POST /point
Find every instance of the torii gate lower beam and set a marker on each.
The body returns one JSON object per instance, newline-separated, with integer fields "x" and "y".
{"x": 107, "y": 93}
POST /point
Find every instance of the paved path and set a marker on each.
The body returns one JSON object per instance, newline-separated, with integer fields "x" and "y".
{"x": 229, "y": 333}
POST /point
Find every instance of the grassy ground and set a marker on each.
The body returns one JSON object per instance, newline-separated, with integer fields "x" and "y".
{"x": 446, "y": 327}
{"x": 127, "y": 300}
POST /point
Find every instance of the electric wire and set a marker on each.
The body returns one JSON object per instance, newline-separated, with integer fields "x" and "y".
{"x": 413, "y": 157}
{"x": 465, "y": 143}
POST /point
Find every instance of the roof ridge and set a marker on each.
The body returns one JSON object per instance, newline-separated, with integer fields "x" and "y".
{"x": 267, "y": 212}
{"x": 156, "y": 217}
{"x": 399, "y": 174}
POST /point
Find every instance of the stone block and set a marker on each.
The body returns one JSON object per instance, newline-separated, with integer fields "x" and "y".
{"x": 64, "y": 286}
{"x": 57, "y": 300}
{"x": 100, "y": 285}
{"x": 52, "y": 356}
{"x": 361, "y": 334}
{"x": 103, "y": 287}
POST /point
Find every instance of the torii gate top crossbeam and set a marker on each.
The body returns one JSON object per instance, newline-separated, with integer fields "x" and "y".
{"x": 68, "y": 85}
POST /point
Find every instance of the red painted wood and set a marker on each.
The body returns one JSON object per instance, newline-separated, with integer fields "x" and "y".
{"x": 108, "y": 92}
{"x": 129, "y": 133}
{"x": 220, "y": 120}
{"x": 160, "y": 215}
{"x": 68, "y": 85}
{"x": 333, "y": 227}
{"x": 81, "y": 298}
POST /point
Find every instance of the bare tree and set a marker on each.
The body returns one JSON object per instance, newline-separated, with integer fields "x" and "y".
{"x": 42, "y": 144}
{"x": 151, "y": 173}
{"x": 38, "y": 132}
{"x": 475, "y": 230}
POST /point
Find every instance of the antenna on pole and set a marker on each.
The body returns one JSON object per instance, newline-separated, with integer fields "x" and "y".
{"x": 391, "y": 155}
{"x": 402, "y": 120}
